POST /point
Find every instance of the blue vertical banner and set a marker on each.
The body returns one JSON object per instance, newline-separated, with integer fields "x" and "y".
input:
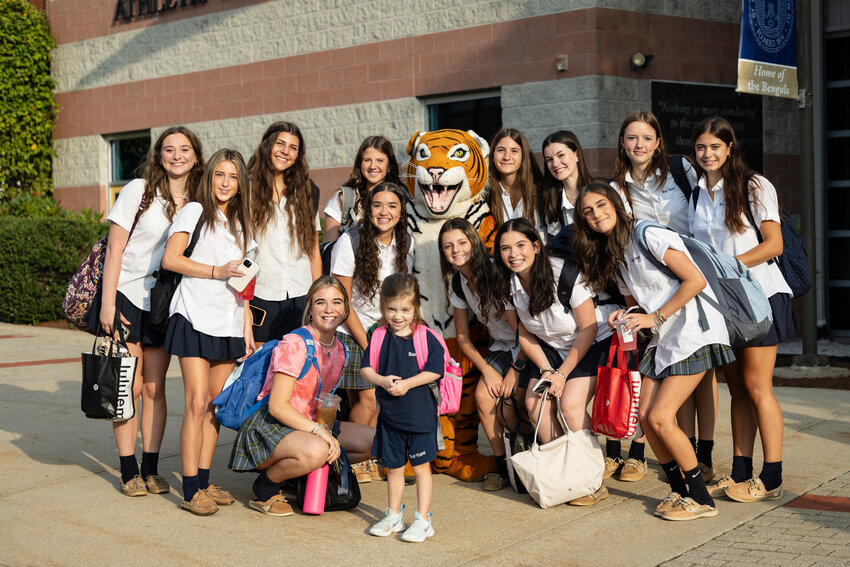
{"x": 767, "y": 57}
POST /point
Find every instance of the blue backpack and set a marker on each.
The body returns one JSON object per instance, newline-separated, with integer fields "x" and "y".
{"x": 238, "y": 399}
{"x": 740, "y": 298}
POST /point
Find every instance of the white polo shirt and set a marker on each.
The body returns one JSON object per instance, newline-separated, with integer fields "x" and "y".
{"x": 680, "y": 336}
{"x": 211, "y": 306}
{"x": 334, "y": 209}
{"x": 284, "y": 270}
{"x": 555, "y": 327}
{"x": 499, "y": 329}
{"x": 708, "y": 224}
{"x": 663, "y": 203}
{"x": 342, "y": 264}
{"x": 143, "y": 254}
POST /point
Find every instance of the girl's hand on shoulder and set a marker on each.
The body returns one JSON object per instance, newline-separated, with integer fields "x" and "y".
{"x": 398, "y": 387}
{"x": 614, "y": 317}
{"x": 492, "y": 381}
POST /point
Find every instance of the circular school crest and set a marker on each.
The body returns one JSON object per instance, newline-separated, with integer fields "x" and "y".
{"x": 772, "y": 22}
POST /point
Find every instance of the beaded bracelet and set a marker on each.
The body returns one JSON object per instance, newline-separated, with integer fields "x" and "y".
{"x": 316, "y": 429}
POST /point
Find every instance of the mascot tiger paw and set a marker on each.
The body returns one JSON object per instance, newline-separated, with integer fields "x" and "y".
{"x": 447, "y": 178}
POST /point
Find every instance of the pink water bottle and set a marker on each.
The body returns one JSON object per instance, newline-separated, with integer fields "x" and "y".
{"x": 314, "y": 492}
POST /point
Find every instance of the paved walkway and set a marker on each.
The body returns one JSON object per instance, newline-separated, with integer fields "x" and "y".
{"x": 60, "y": 502}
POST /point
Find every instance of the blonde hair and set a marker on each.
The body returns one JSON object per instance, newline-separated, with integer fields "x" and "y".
{"x": 397, "y": 286}
{"x": 318, "y": 285}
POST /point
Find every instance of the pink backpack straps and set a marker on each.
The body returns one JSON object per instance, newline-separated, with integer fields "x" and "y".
{"x": 420, "y": 344}
{"x": 439, "y": 337}
{"x": 375, "y": 344}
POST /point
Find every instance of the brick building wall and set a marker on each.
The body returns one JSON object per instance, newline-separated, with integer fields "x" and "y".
{"x": 344, "y": 70}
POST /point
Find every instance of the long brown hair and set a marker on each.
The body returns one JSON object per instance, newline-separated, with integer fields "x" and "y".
{"x": 297, "y": 189}
{"x": 367, "y": 260}
{"x": 528, "y": 177}
{"x": 237, "y": 215}
{"x": 599, "y": 255}
{"x": 659, "y": 157}
{"x": 542, "y": 293}
{"x": 736, "y": 175}
{"x": 156, "y": 179}
{"x": 356, "y": 180}
{"x": 552, "y": 187}
{"x": 479, "y": 263}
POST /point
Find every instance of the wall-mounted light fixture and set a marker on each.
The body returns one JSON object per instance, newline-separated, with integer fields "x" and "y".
{"x": 639, "y": 60}
{"x": 561, "y": 63}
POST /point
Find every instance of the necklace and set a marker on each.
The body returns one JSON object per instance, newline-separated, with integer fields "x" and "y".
{"x": 327, "y": 347}
{"x": 572, "y": 197}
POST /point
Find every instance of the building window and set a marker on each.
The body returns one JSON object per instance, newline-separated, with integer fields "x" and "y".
{"x": 126, "y": 153}
{"x": 837, "y": 121}
{"x": 481, "y": 112}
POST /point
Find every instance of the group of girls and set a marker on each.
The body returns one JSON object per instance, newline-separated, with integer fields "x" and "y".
{"x": 263, "y": 211}
{"x": 563, "y": 340}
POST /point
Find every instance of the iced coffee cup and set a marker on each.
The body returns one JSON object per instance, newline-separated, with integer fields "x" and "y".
{"x": 328, "y": 406}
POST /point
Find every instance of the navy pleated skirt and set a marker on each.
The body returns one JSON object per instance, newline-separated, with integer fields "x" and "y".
{"x": 182, "y": 339}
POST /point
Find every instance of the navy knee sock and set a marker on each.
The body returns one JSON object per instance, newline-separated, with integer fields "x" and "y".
{"x": 771, "y": 475}
{"x": 129, "y": 468}
{"x": 636, "y": 451}
{"x": 150, "y": 462}
{"x": 742, "y": 468}
{"x": 674, "y": 477}
{"x": 704, "y": 449}
{"x": 502, "y": 466}
{"x": 696, "y": 487}
{"x": 190, "y": 487}
{"x": 203, "y": 478}
{"x": 265, "y": 488}
{"x": 613, "y": 448}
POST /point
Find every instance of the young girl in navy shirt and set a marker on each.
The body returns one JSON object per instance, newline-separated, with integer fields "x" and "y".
{"x": 407, "y": 420}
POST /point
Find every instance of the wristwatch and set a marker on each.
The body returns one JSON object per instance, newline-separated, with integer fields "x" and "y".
{"x": 518, "y": 365}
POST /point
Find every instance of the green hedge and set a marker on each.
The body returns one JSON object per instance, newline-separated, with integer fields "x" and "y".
{"x": 27, "y": 106}
{"x": 39, "y": 256}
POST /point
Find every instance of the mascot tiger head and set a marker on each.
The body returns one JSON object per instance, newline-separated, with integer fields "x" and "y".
{"x": 447, "y": 170}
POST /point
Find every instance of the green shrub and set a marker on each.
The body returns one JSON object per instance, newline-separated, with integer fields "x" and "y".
{"x": 27, "y": 106}
{"x": 43, "y": 207}
{"x": 39, "y": 256}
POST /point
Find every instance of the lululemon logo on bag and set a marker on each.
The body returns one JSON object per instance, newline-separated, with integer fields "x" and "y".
{"x": 771, "y": 22}
{"x": 94, "y": 387}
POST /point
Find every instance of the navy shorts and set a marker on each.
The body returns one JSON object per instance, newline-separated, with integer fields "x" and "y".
{"x": 597, "y": 355}
{"x": 395, "y": 446}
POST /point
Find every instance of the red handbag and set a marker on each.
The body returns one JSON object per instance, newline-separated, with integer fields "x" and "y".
{"x": 615, "y": 404}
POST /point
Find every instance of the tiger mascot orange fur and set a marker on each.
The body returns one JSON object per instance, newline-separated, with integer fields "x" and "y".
{"x": 447, "y": 178}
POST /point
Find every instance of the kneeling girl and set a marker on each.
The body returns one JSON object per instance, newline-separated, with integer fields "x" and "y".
{"x": 565, "y": 343}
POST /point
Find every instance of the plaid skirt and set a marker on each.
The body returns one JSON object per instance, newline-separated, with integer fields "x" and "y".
{"x": 351, "y": 378}
{"x": 256, "y": 440}
{"x": 706, "y": 358}
{"x": 500, "y": 360}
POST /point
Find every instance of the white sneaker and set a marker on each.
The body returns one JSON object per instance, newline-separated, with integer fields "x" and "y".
{"x": 391, "y": 523}
{"x": 419, "y": 530}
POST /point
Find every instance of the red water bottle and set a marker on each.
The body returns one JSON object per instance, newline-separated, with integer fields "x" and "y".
{"x": 314, "y": 492}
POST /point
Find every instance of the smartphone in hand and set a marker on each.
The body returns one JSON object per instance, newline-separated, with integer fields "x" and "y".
{"x": 240, "y": 282}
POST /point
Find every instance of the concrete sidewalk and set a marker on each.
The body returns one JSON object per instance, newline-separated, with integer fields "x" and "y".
{"x": 60, "y": 502}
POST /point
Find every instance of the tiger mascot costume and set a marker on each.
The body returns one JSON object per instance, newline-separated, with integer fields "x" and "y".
{"x": 447, "y": 177}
